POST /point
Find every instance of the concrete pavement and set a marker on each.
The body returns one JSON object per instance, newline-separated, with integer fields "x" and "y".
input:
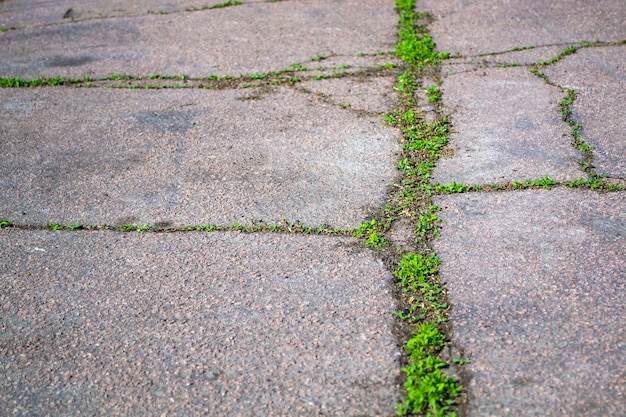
{"x": 277, "y": 128}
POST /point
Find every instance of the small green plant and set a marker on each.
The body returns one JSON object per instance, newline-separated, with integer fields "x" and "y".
{"x": 226, "y": 4}
{"x": 298, "y": 67}
{"x": 428, "y": 388}
{"x": 365, "y": 228}
{"x": 452, "y": 188}
{"x": 55, "y": 226}
{"x": 388, "y": 65}
{"x": 344, "y": 105}
{"x": 318, "y": 58}
{"x": 462, "y": 361}
{"x": 163, "y": 11}
{"x": 427, "y": 222}
{"x": 414, "y": 268}
{"x": 5, "y": 223}
{"x": 377, "y": 240}
{"x": 434, "y": 94}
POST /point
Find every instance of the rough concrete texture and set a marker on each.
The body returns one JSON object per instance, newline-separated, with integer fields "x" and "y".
{"x": 476, "y": 62}
{"x": 191, "y": 324}
{"x": 536, "y": 283}
{"x": 506, "y": 126}
{"x": 22, "y": 13}
{"x": 366, "y": 94}
{"x": 599, "y": 75}
{"x": 181, "y": 157}
{"x": 469, "y": 27}
{"x": 230, "y": 40}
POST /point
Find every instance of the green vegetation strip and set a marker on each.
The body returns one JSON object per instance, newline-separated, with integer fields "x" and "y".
{"x": 284, "y": 227}
{"x": 423, "y": 304}
{"x": 290, "y": 75}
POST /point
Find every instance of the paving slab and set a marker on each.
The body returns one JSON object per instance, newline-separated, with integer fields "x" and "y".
{"x": 536, "y": 283}
{"x": 22, "y": 13}
{"x": 469, "y": 27}
{"x": 182, "y": 157}
{"x": 506, "y": 126}
{"x": 230, "y": 40}
{"x": 599, "y": 75}
{"x": 192, "y": 324}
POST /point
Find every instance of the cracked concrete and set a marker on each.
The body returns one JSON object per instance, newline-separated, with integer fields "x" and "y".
{"x": 286, "y": 324}
{"x": 104, "y": 322}
{"x": 506, "y": 127}
{"x": 535, "y": 278}
{"x": 230, "y": 40}
{"x": 181, "y": 157}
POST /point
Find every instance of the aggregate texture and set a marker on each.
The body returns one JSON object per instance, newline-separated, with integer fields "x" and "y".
{"x": 536, "y": 284}
{"x": 506, "y": 126}
{"x": 181, "y": 157}
{"x": 110, "y": 323}
{"x": 23, "y": 13}
{"x": 599, "y": 75}
{"x": 224, "y": 41}
{"x": 470, "y": 27}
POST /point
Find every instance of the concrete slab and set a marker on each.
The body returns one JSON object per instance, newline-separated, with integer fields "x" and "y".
{"x": 19, "y": 14}
{"x": 194, "y": 324}
{"x": 477, "y": 26}
{"x": 230, "y": 40}
{"x": 599, "y": 75}
{"x": 181, "y": 157}
{"x": 536, "y": 283}
{"x": 506, "y": 127}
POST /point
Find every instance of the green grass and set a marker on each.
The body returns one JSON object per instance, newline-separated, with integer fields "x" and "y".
{"x": 226, "y": 4}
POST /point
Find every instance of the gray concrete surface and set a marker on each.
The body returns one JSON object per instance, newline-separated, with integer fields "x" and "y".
{"x": 194, "y": 324}
{"x": 599, "y": 75}
{"x": 507, "y": 127}
{"x": 471, "y": 27}
{"x": 245, "y": 39}
{"x": 536, "y": 279}
{"x": 181, "y": 157}
{"x": 25, "y": 13}
{"x": 107, "y": 323}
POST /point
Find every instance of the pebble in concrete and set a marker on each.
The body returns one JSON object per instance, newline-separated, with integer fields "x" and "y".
{"x": 181, "y": 157}
{"x": 503, "y": 25}
{"x": 506, "y": 126}
{"x": 225, "y": 41}
{"x": 193, "y": 324}
{"x": 536, "y": 283}
{"x": 599, "y": 75}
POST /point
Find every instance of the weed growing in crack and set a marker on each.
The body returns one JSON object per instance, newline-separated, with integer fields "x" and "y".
{"x": 226, "y": 4}
{"x": 5, "y": 223}
{"x": 428, "y": 389}
{"x": 544, "y": 182}
{"x": 427, "y": 223}
{"x": 595, "y": 181}
{"x": 434, "y": 94}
